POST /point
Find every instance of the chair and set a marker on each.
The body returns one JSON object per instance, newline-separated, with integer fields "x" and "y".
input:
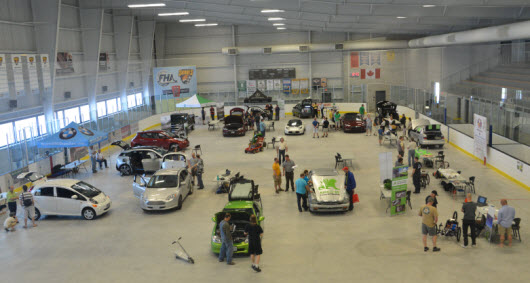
{"x": 471, "y": 184}
{"x": 515, "y": 228}
{"x": 197, "y": 148}
{"x": 273, "y": 141}
{"x": 338, "y": 160}
{"x": 408, "y": 199}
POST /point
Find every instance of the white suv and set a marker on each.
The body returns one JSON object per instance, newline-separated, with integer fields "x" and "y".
{"x": 69, "y": 197}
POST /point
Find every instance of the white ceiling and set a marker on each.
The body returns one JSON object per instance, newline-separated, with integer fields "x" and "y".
{"x": 356, "y": 16}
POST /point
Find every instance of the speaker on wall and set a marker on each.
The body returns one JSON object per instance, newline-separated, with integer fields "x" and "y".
{"x": 12, "y": 104}
{"x": 67, "y": 95}
{"x": 104, "y": 88}
{"x": 131, "y": 84}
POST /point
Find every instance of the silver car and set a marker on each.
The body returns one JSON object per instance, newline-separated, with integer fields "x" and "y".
{"x": 426, "y": 134}
{"x": 166, "y": 189}
{"x": 294, "y": 127}
{"x": 327, "y": 191}
{"x": 149, "y": 159}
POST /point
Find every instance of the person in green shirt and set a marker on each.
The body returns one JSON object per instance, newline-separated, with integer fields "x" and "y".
{"x": 12, "y": 201}
{"x": 361, "y": 111}
{"x": 337, "y": 119}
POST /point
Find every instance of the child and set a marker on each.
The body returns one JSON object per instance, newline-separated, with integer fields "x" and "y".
{"x": 10, "y": 222}
{"x": 254, "y": 233}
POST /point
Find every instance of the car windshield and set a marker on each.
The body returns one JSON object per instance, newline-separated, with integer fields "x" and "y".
{"x": 85, "y": 189}
{"x": 169, "y": 134}
{"x": 179, "y": 119}
{"x": 294, "y": 123}
{"x": 163, "y": 181}
{"x": 35, "y": 176}
{"x": 249, "y": 211}
{"x": 160, "y": 151}
{"x": 352, "y": 117}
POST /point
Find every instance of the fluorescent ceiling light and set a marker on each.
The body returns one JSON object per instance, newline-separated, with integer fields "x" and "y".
{"x": 276, "y": 19}
{"x": 428, "y": 6}
{"x": 173, "y": 14}
{"x": 278, "y": 24}
{"x": 146, "y": 5}
{"x": 192, "y": 20}
{"x": 272, "y": 11}
{"x": 401, "y": 17}
{"x": 280, "y": 28}
{"x": 206, "y": 25}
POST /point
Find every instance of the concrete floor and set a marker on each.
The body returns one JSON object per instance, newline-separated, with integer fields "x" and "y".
{"x": 129, "y": 245}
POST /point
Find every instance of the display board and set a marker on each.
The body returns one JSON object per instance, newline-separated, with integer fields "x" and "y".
{"x": 295, "y": 86}
{"x": 304, "y": 86}
{"x": 45, "y": 67}
{"x": 182, "y": 78}
{"x": 32, "y": 73}
{"x": 251, "y": 86}
{"x": 4, "y": 87}
{"x": 398, "y": 201}
{"x": 270, "y": 85}
{"x": 18, "y": 74}
{"x": 262, "y": 85}
{"x": 286, "y": 86}
{"x": 104, "y": 62}
{"x": 242, "y": 85}
{"x": 480, "y": 130}
{"x": 385, "y": 166}
{"x": 265, "y": 74}
{"x": 65, "y": 63}
{"x": 277, "y": 84}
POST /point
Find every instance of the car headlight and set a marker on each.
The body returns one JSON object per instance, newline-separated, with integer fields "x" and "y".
{"x": 216, "y": 239}
{"x": 93, "y": 201}
{"x": 171, "y": 197}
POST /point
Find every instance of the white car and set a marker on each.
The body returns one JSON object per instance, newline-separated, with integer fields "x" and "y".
{"x": 69, "y": 197}
{"x": 328, "y": 192}
{"x": 166, "y": 189}
{"x": 33, "y": 178}
{"x": 294, "y": 127}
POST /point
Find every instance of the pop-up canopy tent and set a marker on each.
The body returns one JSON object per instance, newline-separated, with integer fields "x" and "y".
{"x": 73, "y": 135}
{"x": 195, "y": 101}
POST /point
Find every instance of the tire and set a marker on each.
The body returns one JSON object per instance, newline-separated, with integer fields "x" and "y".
{"x": 458, "y": 234}
{"x": 180, "y": 203}
{"x": 88, "y": 214}
{"x": 173, "y": 146}
{"x": 37, "y": 214}
{"x": 246, "y": 151}
{"x": 125, "y": 170}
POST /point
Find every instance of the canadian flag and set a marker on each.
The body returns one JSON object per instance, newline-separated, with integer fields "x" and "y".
{"x": 370, "y": 73}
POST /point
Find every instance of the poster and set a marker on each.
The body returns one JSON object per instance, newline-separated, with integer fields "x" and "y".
{"x": 364, "y": 59}
{"x": 251, "y": 86}
{"x": 399, "y": 190}
{"x": 480, "y": 130}
{"x": 390, "y": 56}
{"x": 270, "y": 85}
{"x": 323, "y": 82}
{"x": 304, "y": 86}
{"x": 262, "y": 85}
{"x": 295, "y": 86}
{"x": 286, "y": 86}
{"x": 4, "y": 87}
{"x": 104, "y": 62}
{"x": 32, "y": 73}
{"x": 183, "y": 78}
{"x": 242, "y": 85}
{"x": 277, "y": 84}
{"x": 45, "y": 66}
{"x": 375, "y": 58}
{"x": 65, "y": 64}
{"x": 354, "y": 60}
{"x": 316, "y": 83}
{"x": 18, "y": 74}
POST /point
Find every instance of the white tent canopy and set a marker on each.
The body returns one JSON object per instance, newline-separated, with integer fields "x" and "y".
{"x": 195, "y": 101}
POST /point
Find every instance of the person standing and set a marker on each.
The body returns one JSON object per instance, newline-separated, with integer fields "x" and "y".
{"x": 12, "y": 201}
{"x": 315, "y": 110}
{"x": 257, "y": 120}
{"x": 411, "y": 147}
{"x": 192, "y": 165}
{"x": 469, "y": 208}
{"x": 281, "y": 150}
{"x": 93, "y": 160}
{"x": 100, "y": 158}
{"x": 409, "y": 127}
{"x": 401, "y": 146}
{"x": 212, "y": 113}
{"x": 350, "y": 185}
{"x": 11, "y": 222}
{"x": 433, "y": 195}
{"x": 203, "y": 115}
{"x": 416, "y": 175}
{"x": 288, "y": 172}
{"x": 361, "y": 111}
{"x": 322, "y": 109}
{"x": 380, "y": 135}
{"x": 429, "y": 218}
{"x": 227, "y": 243}
{"x": 301, "y": 192}
{"x": 505, "y": 218}
{"x": 315, "y": 128}
{"x": 325, "y": 127}
{"x": 200, "y": 170}
{"x": 254, "y": 233}
{"x": 277, "y": 114}
{"x": 262, "y": 128}
{"x": 368, "y": 121}
{"x": 277, "y": 175}
{"x": 28, "y": 203}
{"x": 337, "y": 120}
{"x": 403, "y": 122}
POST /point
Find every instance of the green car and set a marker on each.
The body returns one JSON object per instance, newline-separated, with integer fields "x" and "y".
{"x": 243, "y": 201}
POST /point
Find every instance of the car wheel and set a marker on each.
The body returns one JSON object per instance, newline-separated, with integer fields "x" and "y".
{"x": 173, "y": 146}
{"x": 37, "y": 214}
{"x": 180, "y": 203}
{"x": 89, "y": 214}
{"x": 125, "y": 170}
{"x": 190, "y": 191}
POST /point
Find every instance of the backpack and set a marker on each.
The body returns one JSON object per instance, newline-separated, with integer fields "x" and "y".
{"x": 26, "y": 202}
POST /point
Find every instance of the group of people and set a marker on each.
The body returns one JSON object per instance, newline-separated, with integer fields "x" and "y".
{"x": 28, "y": 205}
{"x": 96, "y": 157}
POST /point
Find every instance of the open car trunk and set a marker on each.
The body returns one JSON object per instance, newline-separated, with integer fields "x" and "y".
{"x": 238, "y": 222}
{"x": 433, "y": 132}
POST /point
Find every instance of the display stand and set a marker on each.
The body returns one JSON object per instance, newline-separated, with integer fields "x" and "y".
{"x": 399, "y": 190}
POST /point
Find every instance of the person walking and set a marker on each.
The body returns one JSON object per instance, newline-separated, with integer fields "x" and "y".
{"x": 281, "y": 150}
{"x": 100, "y": 158}
{"x": 315, "y": 128}
{"x": 277, "y": 175}
{"x": 200, "y": 171}
{"x": 416, "y": 175}
{"x": 505, "y": 218}
{"x": 368, "y": 121}
{"x": 212, "y": 113}
{"x": 277, "y": 114}
{"x": 433, "y": 195}
{"x": 28, "y": 204}
{"x": 429, "y": 218}
{"x": 325, "y": 127}
{"x": 12, "y": 201}
{"x": 321, "y": 109}
{"x": 254, "y": 233}
{"x": 350, "y": 185}
{"x": 401, "y": 146}
{"x": 411, "y": 148}
{"x": 301, "y": 192}
{"x": 192, "y": 165}
{"x": 10, "y": 222}
{"x": 203, "y": 115}
{"x": 361, "y": 111}
{"x": 288, "y": 172}
{"x": 469, "y": 208}
{"x": 227, "y": 243}
{"x": 93, "y": 160}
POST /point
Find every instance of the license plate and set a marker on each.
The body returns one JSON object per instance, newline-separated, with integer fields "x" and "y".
{"x": 438, "y": 138}
{"x": 232, "y": 132}
{"x": 235, "y": 249}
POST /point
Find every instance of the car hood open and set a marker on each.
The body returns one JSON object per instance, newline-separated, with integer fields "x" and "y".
{"x": 420, "y": 122}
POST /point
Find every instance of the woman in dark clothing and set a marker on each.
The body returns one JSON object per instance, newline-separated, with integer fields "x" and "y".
{"x": 254, "y": 233}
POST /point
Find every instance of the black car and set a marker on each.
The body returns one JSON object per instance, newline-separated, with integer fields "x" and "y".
{"x": 234, "y": 126}
{"x": 387, "y": 108}
{"x": 303, "y": 109}
{"x": 255, "y": 110}
{"x": 257, "y": 97}
{"x": 182, "y": 121}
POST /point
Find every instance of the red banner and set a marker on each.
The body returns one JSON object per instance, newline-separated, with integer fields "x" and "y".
{"x": 354, "y": 58}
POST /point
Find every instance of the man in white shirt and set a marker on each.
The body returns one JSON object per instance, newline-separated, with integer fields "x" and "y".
{"x": 281, "y": 150}
{"x": 100, "y": 158}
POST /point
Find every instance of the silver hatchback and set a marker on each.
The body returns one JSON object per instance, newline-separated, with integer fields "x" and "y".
{"x": 166, "y": 189}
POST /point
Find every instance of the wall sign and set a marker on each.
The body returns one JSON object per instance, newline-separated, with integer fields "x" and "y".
{"x": 166, "y": 78}
{"x": 480, "y": 130}
{"x": 4, "y": 87}
{"x": 18, "y": 74}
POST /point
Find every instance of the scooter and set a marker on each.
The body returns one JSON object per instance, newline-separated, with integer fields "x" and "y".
{"x": 181, "y": 252}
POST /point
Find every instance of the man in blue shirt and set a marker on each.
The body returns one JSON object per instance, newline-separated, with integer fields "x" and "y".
{"x": 505, "y": 218}
{"x": 350, "y": 185}
{"x": 301, "y": 192}
{"x": 262, "y": 128}
{"x": 315, "y": 128}
{"x": 227, "y": 242}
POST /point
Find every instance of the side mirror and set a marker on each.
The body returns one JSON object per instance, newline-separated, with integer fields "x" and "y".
{"x": 74, "y": 197}
{"x": 214, "y": 219}
{"x": 261, "y": 218}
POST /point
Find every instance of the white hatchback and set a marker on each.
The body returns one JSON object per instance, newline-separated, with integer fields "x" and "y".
{"x": 69, "y": 197}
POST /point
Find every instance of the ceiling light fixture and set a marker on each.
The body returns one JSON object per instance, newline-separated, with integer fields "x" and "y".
{"x": 428, "y": 6}
{"x": 192, "y": 20}
{"x": 278, "y": 24}
{"x": 272, "y": 11}
{"x": 173, "y": 14}
{"x": 276, "y": 19}
{"x": 280, "y": 28}
{"x": 401, "y": 17}
{"x": 206, "y": 25}
{"x": 146, "y": 5}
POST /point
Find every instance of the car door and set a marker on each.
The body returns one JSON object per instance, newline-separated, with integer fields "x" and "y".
{"x": 173, "y": 160}
{"x": 45, "y": 200}
{"x": 139, "y": 184}
{"x": 162, "y": 140}
{"x": 184, "y": 183}
{"x": 150, "y": 161}
{"x": 69, "y": 202}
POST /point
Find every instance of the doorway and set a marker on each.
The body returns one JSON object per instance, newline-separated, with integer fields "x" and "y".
{"x": 380, "y": 95}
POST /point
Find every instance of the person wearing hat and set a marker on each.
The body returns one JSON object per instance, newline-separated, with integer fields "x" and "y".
{"x": 429, "y": 218}
{"x": 433, "y": 195}
{"x": 350, "y": 185}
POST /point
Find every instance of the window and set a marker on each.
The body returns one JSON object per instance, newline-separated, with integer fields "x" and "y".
{"x": 72, "y": 115}
{"x": 503, "y": 93}
{"x": 112, "y": 107}
{"x": 139, "y": 99}
{"x": 437, "y": 91}
{"x": 119, "y": 103}
{"x": 6, "y": 134}
{"x": 64, "y": 193}
{"x": 131, "y": 101}
{"x": 41, "y": 121}
{"x": 85, "y": 113}
{"x": 59, "y": 117}
{"x": 29, "y": 126}
{"x": 102, "y": 109}
{"x": 45, "y": 192}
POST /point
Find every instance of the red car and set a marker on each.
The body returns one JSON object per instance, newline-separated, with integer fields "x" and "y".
{"x": 352, "y": 122}
{"x": 163, "y": 139}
